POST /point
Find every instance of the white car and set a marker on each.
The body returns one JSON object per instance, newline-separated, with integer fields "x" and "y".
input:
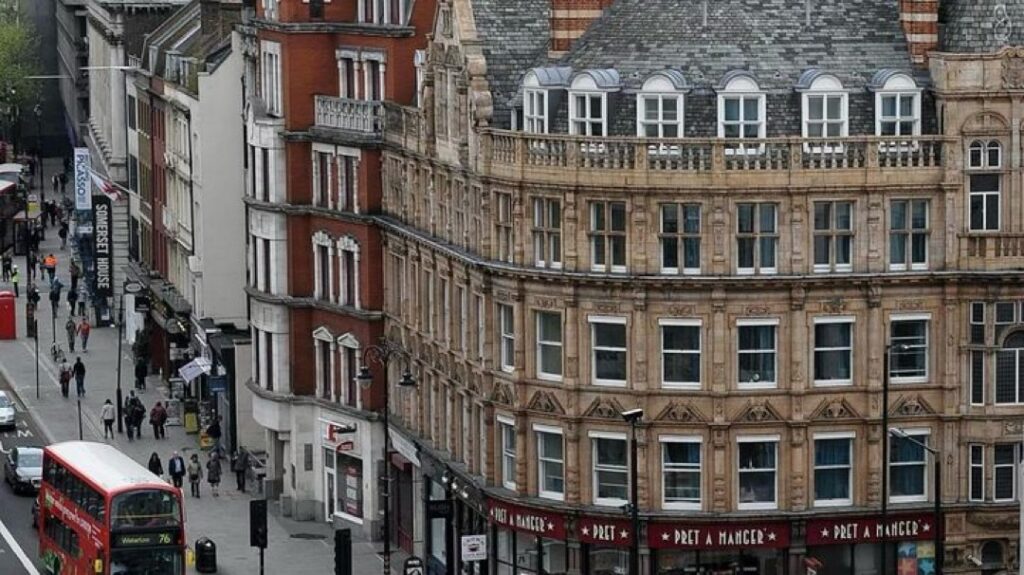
{"x": 6, "y": 411}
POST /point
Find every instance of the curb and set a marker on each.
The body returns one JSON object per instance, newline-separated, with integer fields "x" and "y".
{"x": 6, "y": 375}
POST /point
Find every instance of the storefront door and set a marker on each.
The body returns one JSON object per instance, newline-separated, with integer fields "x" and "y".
{"x": 330, "y": 479}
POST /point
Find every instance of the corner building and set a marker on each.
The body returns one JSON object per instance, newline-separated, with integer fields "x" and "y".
{"x": 721, "y": 213}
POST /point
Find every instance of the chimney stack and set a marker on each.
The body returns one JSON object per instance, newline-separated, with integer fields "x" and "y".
{"x": 570, "y": 19}
{"x": 920, "y": 21}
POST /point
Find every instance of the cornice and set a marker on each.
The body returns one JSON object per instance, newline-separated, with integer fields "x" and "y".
{"x": 293, "y": 302}
{"x": 378, "y": 30}
{"x": 307, "y": 210}
{"x": 311, "y": 400}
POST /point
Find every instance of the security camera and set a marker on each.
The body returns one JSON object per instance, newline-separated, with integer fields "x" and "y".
{"x": 633, "y": 415}
{"x": 974, "y": 560}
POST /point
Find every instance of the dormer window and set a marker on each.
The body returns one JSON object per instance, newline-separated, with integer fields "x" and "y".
{"x": 897, "y": 104}
{"x": 535, "y": 111}
{"x": 741, "y": 108}
{"x": 588, "y": 101}
{"x": 825, "y": 106}
{"x": 540, "y": 86}
{"x": 659, "y": 110}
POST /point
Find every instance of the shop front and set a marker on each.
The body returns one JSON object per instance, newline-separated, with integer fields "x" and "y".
{"x": 528, "y": 540}
{"x": 845, "y": 546}
{"x": 454, "y": 507}
{"x": 344, "y": 485}
{"x": 747, "y": 548}
{"x": 605, "y": 545}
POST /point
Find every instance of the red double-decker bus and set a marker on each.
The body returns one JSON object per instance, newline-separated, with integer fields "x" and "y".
{"x": 102, "y": 513}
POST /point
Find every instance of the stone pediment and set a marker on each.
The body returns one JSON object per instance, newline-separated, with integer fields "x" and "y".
{"x": 503, "y": 395}
{"x": 605, "y": 409}
{"x": 911, "y": 405}
{"x": 757, "y": 412}
{"x": 546, "y": 402}
{"x": 681, "y": 413}
{"x": 834, "y": 409}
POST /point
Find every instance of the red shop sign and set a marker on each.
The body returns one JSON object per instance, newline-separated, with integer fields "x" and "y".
{"x": 750, "y": 535}
{"x": 527, "y": 519}
{"x": 605, "y": 531}
{"x": 869, "y": 529}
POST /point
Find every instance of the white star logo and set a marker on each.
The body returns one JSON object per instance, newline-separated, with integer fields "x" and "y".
{"x": 585, "y": 530}
{"x": 623, "y": 534}
{"x": 664, "y": 536}
{"x": 926, "y": 527}
{"x": 824, "y": 533}
{"x": 551, "y": 526}
{"x": 771, "y": 536}
{"x": 491, "y": 512}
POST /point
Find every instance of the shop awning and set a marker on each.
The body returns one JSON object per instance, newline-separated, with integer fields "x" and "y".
{"x": 194, "y": 369}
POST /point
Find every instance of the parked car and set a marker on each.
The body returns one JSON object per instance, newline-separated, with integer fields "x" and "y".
{"x": 23, "y": 468}
{"x": 7, "y": 418}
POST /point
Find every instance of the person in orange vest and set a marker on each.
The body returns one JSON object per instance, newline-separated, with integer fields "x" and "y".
{"x": 50, "y": 264}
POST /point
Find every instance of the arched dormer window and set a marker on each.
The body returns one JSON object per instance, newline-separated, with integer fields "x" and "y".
{"x": 825, "y": 105}
{"x": 659, "y": 109}
{"x": 588, "y": 101}
{"x": 537, "y": 98}
{"x": 897, "y": 104}
{"x": 741, "y": 107}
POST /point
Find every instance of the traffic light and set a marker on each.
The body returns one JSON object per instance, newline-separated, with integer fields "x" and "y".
{"x": 258, "y": 523}
{"x": 343, "y": 552}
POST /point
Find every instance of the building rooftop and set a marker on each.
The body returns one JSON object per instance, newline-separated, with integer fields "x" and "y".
{"x": 977, "y": 26}
{"x": 515, "y": 38}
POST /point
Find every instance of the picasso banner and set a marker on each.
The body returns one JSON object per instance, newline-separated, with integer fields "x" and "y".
{"x": 83, "y": 183}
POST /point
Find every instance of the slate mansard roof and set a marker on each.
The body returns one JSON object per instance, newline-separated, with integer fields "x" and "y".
{"x": 515, "y": 38}
{"x": 771, "y": 39}
{"x": 978, "y": 26}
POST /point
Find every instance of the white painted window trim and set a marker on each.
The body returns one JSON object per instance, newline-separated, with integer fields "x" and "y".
{"x": 852, "y": 436}
{"x": 270, "y": 60}
{"x": 507, "y": 364}
{"x": 910, "y": 232}
{"x": 574, "y": 114}
{"x": 533, "y": 117}
{"x": 825, "y": 94}
{"x": 757, "y": 321}
{"x": 548, "y": 429}
{"x": 682, "y": 505}
{"x": 899, "y": 85}
{"x": 847, "y": 319}
{"x": 539, "y": 344}
{"x": 321, "y": 337}
{"x": 593, "y": 435}
{"x": 322, "y": 240}
{"x": 916, "y": 433}
{"x": 1016, "y": 471}
{"x": 757, "y": 439}
{"x": 351, "y": 245}
{"x": 607, "y": 319}
{"x": 927, "y": 318}
{"x": 682, "y": 322}
{"x": 641, "y": 113}
{"x": 970, "y": 471}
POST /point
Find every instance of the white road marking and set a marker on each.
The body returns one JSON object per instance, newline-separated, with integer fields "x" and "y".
{"x": 18, "y": 551}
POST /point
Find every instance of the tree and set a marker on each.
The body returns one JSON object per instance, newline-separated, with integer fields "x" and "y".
{"x": 19, "y": 60}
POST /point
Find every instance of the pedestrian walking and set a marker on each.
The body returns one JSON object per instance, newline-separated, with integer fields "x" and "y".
{"x": 55, "y": 297}
{"x": 240, "y": 464}
{"x": 213, "y": 473}
{"x": 214, "y": 433}
{"x": 176, "y": 469}
{"x": 195, "y": 474}
{"x": 83, "y": 297}
{"x": 76, "y": 273}
{"x": 138, "y": 416}
{"x": 141, "y": 371}
{"x": 83, "y": 331}
{"x": 72, "y": 301}
{"x": 31, "y": 267}
{"x": 72, "y": 330}
{"x": 64, "y": 376}
{"x": 55, "y": 183}
{"x": 79, "y": 370}
{"x": 108, "y": 413}
{"x": 15, "y": 277}
{"x": 157, "y": 418}
{"x": 128, "y": 410}
{"x": 155, "y": 466}
{"x": 63, "y": 235}
{"x": 7, "y": 261}
{"x": 63, "y": 182}
{"x": 50, "y": 265}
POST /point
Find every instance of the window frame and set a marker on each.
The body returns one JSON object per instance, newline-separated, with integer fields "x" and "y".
{"x": 593, "y": 321}
{"x": 576, "y": 121}
{"x": 508, "y": 424}
{"x": 984, "y": 167}
{"x": 506, "y": 356}
{"x": 642, "y": 122}
{"x": 898, "y": 86}
{"x": 916, "y": 433}
{"x": 758, "y": 505}
{"x": 608, "y": 236}
{"x": 834, "y": 235}
{"x": 538, "y": 430}
{"x": 825, "y": 87}
{"x": 742, "y": 87}
{"x": 851, "y": 437}
{"x": 757, "y": 235}
{"x": 910, "y": 232}
{"x": 533, "y": 118}
{"x": 972, "y": 466}
{"x": 1014, "y": 471}
{"x": 682, "y": 505}
{"x": 848, "y": 320}
{"x": 913, "y": 317}
{"x": 541, "y": 343}
{"x": 758, "y": 322}
{"x": 546, "y": 232}
{"x": 595, "y": 467}
{"x": 682, "y": 322}
{"x": 680, "y": 237}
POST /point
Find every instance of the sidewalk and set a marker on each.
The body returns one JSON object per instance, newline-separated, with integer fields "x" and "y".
{"x": 294, "y": 547}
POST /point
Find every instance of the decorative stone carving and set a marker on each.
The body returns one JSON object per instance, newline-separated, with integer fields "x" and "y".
{"x": 679, "y": 310}
{"x": 546, "y": 302}
{"x": 994, "y": 521}
{"x": 834, "y": 305}
{"x": 758, "y": 411}
{"x": 911, "y": 405}
{"x": 546, "y": 402}
{"x": 835, "y": 409}
{"x": 910, "y": 304}
{"x": 606, "y": 307}
{"x": 502, "y": 295}
{"x": 604, "y": 409}
{"x": 758, "y": 310}
{"x": 1013, "y": 69}
{"x": 681, "y": 413}
{"x": 503, "y": 395}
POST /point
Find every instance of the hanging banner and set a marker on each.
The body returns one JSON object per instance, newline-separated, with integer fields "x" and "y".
{"x": 83, "y": 180}
{"x": 103, "y": 223}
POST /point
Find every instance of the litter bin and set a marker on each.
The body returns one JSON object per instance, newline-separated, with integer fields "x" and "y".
{"x": 8, "y": 324}
{"x": 206, "y": 555}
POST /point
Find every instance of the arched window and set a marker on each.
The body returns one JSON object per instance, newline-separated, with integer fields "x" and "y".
{"x": 897, "y": 104}
{"x": 741, "y": 107}
{"x": 659, "y": 109}
{"x": 992, "y": 554}
{"x": 1010, "y": 368}
{"x": 825, "y": 105}
{"x": 985, "y": 154}
{"x": 588, "y": 101}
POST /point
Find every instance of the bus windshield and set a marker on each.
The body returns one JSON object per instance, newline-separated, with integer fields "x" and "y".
{"x": 144, "y": 508}
{"x": 146, "y": 562}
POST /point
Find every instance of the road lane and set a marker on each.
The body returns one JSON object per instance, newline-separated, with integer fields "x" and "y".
{"x": 16, "y": 532}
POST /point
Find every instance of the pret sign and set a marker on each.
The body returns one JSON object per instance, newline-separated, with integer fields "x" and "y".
{"x": 527, "y": 519}
{"x": 474, "y": 547}
{"x": 605, "y": 531}
{"x": 750, "y": 535}
{"x": 845, "y": 530}
{"x": 83, "y": 180}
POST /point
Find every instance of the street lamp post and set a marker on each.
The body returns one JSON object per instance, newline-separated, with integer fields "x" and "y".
{"x": 35, "y": 323}
{"x": 634, "y": 417}
{"x": 382, "y": 354}
{"x": 37, "y": 111}
{"x": 885, "y": 452}
{"x": 938, "y": 527}
{"x": 120, "y": 336}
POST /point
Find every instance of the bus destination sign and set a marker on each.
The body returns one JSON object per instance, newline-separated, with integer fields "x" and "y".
{"x": 143, "y": 539}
